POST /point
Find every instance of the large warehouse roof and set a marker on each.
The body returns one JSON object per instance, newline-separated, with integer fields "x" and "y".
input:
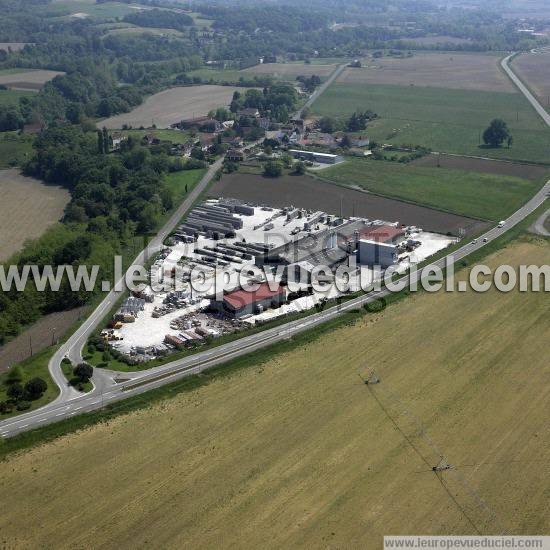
{"x": 240, "y": 298}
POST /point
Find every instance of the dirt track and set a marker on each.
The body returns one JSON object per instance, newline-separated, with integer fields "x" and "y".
{"x": 173, "y": 105}
{"x": 306, "y": 192}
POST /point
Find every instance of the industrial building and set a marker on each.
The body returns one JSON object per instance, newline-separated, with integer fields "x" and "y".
{"x": 372, "y": 253}
{"x": 243, "y": 302}
{"x": 224, "y": 241}
{"x": 314, "y": 156}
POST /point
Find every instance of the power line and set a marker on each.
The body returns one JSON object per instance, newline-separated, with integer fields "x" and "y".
{"x": 442, "y": 465}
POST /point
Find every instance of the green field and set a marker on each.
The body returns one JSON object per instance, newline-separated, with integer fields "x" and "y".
{"x": 14, "y": 149}
{"x": 176, "y": 181}
{"x": 474, "y": 194}
{"x": 12, "y": 97}
{"x": 217, "y": 75}
{"x": 442, "y": 119}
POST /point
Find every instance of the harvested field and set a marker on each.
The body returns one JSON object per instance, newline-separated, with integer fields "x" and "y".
{"x": 440, "y": 70}
{"x": 41, "y": 335}
{"x": 485, "y": 166}
{"x": 27, "y": 80}
{"x": 173, "y": 105}
{"x": 13, "y": 46}
{"x": 291, "y": 69}
{"x": 534, "y": 70}
{"x": 28, "y": 207}
{"x": 306, "y": 192}
{"x": 297, "y": 452}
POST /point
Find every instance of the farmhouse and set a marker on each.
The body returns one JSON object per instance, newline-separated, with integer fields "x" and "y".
{"x": 243, "y": 302}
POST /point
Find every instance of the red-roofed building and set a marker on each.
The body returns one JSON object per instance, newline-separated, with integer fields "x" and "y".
{"x": 239, "y": 303}
{"x": 386, "y": 234}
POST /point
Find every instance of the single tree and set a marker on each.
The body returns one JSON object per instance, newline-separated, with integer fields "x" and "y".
{"x": 273, "y": 169}
{"x": 35, "y": 388}
{"x": 15, "y": 391}
{"x": 100, "y": 143}
{"x": 300, "y": 168}
{"x": 497, "y": 133}
{"x": 346, "y": 141}
{"x": 83, "y": 371}
{"x": 327, "y": 125}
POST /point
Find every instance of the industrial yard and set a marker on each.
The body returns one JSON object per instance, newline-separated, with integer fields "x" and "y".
{"x": 230, "y": 266}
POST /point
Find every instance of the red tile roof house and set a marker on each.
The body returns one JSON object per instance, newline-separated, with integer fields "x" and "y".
{"x": 238, "y": 303}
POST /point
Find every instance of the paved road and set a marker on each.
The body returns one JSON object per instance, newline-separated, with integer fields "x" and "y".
{"x": 538, "y": 227}
{"x": 107, "y": 390}
{"x": 74, "y": 345}
{"x": 321, "y": 89}
{"x": 505, "y": 63}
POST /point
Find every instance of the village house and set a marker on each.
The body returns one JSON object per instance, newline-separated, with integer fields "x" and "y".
{"x": 206, "y": 141}
{"x": 117, "y": 139}
{"x": 235, "y": 155}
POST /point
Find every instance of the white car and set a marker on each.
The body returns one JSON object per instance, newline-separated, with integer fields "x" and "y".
{"x": 474, "y": 241}
{"x": 485, "y": 240}
{"x": 501, "y": 224}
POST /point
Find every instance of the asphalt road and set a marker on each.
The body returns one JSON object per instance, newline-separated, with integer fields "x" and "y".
{"x": 505, "y": 63}
{"x": 107, "y": 390}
